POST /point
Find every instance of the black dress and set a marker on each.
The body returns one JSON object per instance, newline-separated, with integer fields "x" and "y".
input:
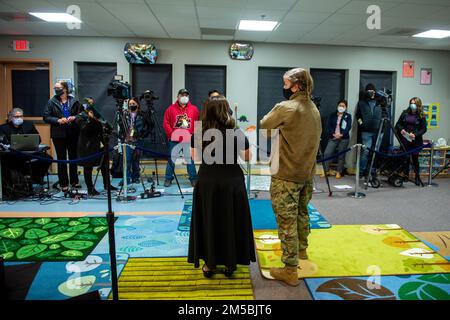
{"x": 221, "y": 228}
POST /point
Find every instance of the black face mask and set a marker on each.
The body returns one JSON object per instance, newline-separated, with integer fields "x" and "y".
{"x": 59, "y": 92}
{"x": 287, "y": 93}
{"x": 133, "y": 108}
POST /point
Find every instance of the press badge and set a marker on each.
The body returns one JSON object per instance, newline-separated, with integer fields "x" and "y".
{"x": 344, "y": 124}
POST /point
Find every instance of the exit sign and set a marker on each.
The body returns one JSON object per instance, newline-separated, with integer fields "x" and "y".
{"x": 21, "y": 45}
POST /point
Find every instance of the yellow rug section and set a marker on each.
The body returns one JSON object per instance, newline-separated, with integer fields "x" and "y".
{"x": 176, "y": 279}
{"x": 354, "y": 250}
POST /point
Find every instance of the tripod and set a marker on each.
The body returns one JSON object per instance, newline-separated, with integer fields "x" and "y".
{"x": 371, "y": 177}
{"x": 320, "y": 156}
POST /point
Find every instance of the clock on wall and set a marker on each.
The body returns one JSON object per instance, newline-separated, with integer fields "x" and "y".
{"x": 141, "y": 53}
{"x": 241, "y": 51}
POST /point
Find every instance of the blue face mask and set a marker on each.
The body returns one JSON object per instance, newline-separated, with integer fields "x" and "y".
{"x": 413, "y": 106}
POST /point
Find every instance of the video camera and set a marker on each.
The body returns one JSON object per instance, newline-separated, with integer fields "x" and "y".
{"x": 148, "y": 96}
{"x": 119, "y": 90}
{"x": 384, "y": 98}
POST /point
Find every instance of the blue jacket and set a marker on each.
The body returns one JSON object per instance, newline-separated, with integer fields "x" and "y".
{"x": 345, "y": 125}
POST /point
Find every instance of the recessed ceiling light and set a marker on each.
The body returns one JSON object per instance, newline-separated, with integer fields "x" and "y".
{"x": 55, "y": 17}
{"x": 257, "y": 25}
{"x": 434, "y": 34}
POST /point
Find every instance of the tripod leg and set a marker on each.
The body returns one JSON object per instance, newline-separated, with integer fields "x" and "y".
{"x": 156, "y": 170}
{"x": 330, "y": 193}
{"x": 372, "y": 161}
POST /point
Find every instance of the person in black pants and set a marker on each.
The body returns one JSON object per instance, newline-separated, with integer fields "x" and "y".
{"x": 60, "y": 113}
{"x": 411, "y": 126}
{"x": 89, "y": 143}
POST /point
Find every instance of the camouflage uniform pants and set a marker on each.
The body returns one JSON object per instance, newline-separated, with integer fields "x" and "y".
{"x": 290, "y": 204}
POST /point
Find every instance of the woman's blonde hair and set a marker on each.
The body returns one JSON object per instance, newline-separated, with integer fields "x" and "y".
{"x": 302, "y": 77}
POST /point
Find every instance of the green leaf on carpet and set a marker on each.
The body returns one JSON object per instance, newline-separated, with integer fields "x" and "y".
{"x": 436, "y": 278}
{"x": 355, "y": 289}
{"x": 100, "y": 229}
{"x": 2, "y": 226}
{"x": 58, "y": 229}
{"x": 78, "y": 228}
{"x": 35, "y": 234}
{"x": 422, "y": 291}
{"x": 20, "y": 223}
{"x": 11, "y": 233}
{"x": 30, "y": 250}
{"x": 72, "y": 253}
{"x": 58, "y": 237}
{"x": 48, "y": 254}
{"x": 28, "y": 241}
{"x": 99, "y": 222}
{"x": 84, "y": 220}
{"x": 77, "y": 244}
{"x": 50, "y": 225}
{"x": 8, "y": 245}
{"x": 86, "y": 236}
{"x": 42, "y": 221}
{"x": 7, "y": 255}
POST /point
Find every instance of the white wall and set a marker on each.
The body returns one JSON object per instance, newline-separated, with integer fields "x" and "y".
{"x": 242, "y": 76}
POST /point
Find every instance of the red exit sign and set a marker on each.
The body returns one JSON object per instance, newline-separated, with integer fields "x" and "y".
{"x": 21, "y": 45}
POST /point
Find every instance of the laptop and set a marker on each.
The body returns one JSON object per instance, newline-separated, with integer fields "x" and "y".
{"x": 25, "y": 142}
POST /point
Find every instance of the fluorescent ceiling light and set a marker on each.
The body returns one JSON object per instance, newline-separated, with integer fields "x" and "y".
{"x": 55, "y": 17}
{"x": 434, "y": 34}
{"x": 257, "y": 25}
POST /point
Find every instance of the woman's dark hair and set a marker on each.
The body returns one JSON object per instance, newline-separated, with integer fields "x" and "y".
{"x": 135, "y": 99}
{"x": 65, "y": 85}
{"x": 213, "y": 91}
{"x": 215, "y": 114}
{"x": 419, "y": 105}
{"x": 344, "y": 102}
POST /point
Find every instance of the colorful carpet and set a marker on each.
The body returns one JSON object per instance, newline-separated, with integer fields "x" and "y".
{"x": 50, "y": 239}
{"x": 355, "y": 250}
{"x": 413, "y": 287}
{"x": 176, "y": 279}
{"x": 263, "y": 217}
{"x": 148, "y": 236}
{"x": 64, "y": 280}
{"x": 439, "y": 241}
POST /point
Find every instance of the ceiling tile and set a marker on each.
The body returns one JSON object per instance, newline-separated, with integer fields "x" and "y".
{"x": 327, "y": 6}
{"x": 360, "y": 7}
{"x": 413, "y": 11}
{"x": 305, "y": 17}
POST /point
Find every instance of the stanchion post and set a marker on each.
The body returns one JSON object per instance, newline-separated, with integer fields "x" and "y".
{"x": 357, "y": 194}
{"x": 430, "y": 170}
{"x": 124, "y": 171}
{"x": 248, "y": 178}
{"x": 111, "y": 233}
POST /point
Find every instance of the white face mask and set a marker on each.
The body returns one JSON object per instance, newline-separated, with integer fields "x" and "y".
{"x": 17, "y": 121}
{"x": 184, "y": 100}
{"x": 341, "y": 109}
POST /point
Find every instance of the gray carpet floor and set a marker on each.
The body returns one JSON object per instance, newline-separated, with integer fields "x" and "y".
{"x": 414, "y": 208}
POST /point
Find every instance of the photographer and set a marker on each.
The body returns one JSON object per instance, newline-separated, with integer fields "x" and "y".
{"x": 131, "y": 132}
{"x": 60, "y": 113}
{"x": 90, "y": 142}
{"x": 368, "y": 115}
{"x": 411, "y": 126}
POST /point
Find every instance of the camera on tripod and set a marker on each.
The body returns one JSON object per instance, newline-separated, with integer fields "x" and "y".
{"x": 119, "y": 90}
{"x": 316, "y": 100}
{"x": 148, "y": 96}
{"x": 384, "y": 98}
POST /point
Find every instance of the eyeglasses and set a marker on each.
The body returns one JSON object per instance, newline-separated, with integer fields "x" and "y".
{"x": 18, "y": 116}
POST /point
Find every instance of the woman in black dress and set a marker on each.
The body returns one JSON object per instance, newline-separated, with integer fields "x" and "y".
{"x": 221, "y": 227}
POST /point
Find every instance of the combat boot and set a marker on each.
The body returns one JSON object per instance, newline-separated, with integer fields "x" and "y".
{"x": 287, "y": 274}
{"x": 303, "y": 255}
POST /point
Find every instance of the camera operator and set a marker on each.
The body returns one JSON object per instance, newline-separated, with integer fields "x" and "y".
{"x": 368, "y": 115}
{"x": 60, "y": 113}
{"x": 131, "y": 132}
{"x": 91, "y": 141}
{"x": 16, "y": 125}
{"x": 179, "y": 120}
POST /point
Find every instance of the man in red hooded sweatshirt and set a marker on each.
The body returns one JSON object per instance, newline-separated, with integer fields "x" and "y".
{"x": 178, "y": 124}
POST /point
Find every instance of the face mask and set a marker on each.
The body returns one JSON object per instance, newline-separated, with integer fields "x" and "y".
{"x": 184, "y": 100}
{"x": 413, "y": 107}
{"x": 341, "y": 109}
{"x": 133, "y": 108}
{"x": 17, "y": 121}
{"x": 59, "y": 92}
{"x": 287, "y": 93}
{"x": 370, "y": 95}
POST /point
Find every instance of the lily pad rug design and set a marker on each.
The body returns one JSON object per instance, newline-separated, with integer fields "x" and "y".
{"x": 50, "y": 239}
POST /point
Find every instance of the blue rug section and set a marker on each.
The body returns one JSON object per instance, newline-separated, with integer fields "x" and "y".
{"x": 64, "y": 280}
{"x": 413, "y": 287}
{"x": 263, "y": 217}
{"x": 148, "y": 236}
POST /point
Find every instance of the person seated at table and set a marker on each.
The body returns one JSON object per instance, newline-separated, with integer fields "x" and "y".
{"x": 16, "y": 125}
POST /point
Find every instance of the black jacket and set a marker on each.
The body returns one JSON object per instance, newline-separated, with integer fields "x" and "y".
{"x": 420, "y": 127}
{"x": 89, "y": 139}
{"x": 7, "y": 129}
{"x": 53, "y": 112}
{"x": 345, "y": 125}
{"x": 370, "y": 120}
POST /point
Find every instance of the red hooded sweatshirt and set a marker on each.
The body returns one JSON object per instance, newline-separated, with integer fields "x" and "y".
{"x": 181, "y": 120}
